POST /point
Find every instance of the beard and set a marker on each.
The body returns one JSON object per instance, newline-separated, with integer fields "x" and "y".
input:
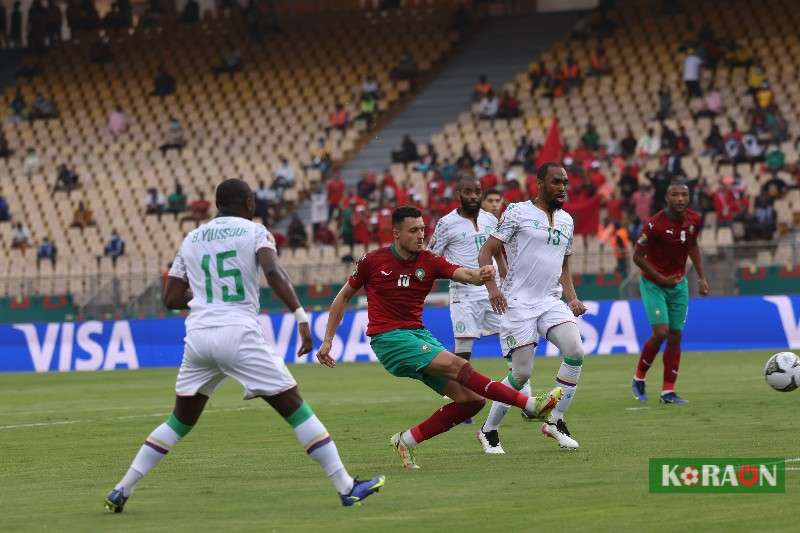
{"x": 470, "y": 209}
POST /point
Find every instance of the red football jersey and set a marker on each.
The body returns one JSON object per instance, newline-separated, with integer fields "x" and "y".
{"x": 396, "y": 288}
{"x": 666, "y": 242}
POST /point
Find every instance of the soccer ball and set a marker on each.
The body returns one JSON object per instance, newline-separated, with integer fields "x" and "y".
{"x": 783, "y": 371}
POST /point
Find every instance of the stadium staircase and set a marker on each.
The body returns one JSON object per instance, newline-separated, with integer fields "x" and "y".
{"x": 502, "y": 48}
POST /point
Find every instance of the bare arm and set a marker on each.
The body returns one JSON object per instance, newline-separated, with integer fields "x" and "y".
{"x": 493, "y": 249}
{"x": 335, "y": 315}
{"x": 176, "y": 293}
{"x": 694, "y": 255}
{"x": 281, "y": 285}
{"x": 474, "y": 276}
{"x": 575, "y": 305}
{"x": 641, "y": 261}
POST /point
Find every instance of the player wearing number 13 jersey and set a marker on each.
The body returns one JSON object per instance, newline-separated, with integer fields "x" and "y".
{"x": 215, "y": 275}
{"x": 397, "y": 279}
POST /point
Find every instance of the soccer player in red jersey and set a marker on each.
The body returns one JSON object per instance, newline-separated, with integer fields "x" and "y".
{"x": 667, "y": 239}
{"x": 397, "y": 279}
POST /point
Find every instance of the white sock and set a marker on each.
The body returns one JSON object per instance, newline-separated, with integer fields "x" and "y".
{"x": 319, "y": 445}
{"x": 498, "y": 410}
{"x": 567, "y": 378}
{"x": 408, "y": 439}
{"x": 154, "y": 449}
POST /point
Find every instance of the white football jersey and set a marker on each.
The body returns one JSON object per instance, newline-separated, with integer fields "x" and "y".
{"x": 218, "y": 259}
{"x": 457, "y": 240}
{"x": 535, "y": 252}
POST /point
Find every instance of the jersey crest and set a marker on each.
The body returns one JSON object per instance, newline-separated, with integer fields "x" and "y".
{"x": 420, "y": 273}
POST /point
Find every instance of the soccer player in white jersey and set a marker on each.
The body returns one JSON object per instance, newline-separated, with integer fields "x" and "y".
{"x": 458, "y": 237}
{"x": 537, "y": 236}
{"x": 215, "y": 276}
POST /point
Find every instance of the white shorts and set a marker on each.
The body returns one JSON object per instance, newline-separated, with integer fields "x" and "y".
{"x": 516, "y": 331}
{"x": 240, "y": 352}
{"x": 473, "y": 319}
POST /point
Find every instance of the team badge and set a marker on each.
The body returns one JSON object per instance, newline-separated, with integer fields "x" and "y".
{"x": 420, "y": 273}
{"x": 643, "y": 239}
{"x": 511, "y": 341}
{"x": 426, "y": 348}
{"x": 460, "y": 327}
{"x": 691, "y": 228}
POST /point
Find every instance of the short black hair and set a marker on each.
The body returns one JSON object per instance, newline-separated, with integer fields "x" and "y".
{"x": 466, "y": 178}
{"x": 232, "y": 194}
{"x": 541, "y": 173}
{"x": 487, "y": 193}
{"x": 404, "y": 212}
{"x": 678, "y": 182}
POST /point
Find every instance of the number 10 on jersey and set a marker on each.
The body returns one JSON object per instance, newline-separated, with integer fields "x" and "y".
{"x": 234, "y": 273}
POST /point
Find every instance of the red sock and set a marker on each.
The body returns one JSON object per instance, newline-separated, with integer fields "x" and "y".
{"x": 445, "y": 418}
{"x": 649, "y": 352}
{"x": 672, "y": 360}
{"x": 493, "y": 390}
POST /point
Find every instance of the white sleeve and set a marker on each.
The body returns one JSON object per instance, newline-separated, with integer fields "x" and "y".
{"x": 509, "y": 224}
{"x": 438, "y": 242}
{"x": 264, "y": 239}
{"x": 178, "y": 268}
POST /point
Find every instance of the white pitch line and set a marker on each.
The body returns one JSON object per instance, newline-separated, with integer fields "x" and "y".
{"x": 636, "y": 408}
{"x": 795, "y": 469}
{"x": 37, "y": 424}
{"x": 64, "y": 422}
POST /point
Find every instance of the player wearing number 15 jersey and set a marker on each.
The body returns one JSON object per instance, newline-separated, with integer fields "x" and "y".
{"x": 458, "y": 237}
{"x": 215, "y": 275}
{"x": 397, "y": 279}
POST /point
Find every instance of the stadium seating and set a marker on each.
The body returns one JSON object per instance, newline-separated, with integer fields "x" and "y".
{"x": 236, "y": 126}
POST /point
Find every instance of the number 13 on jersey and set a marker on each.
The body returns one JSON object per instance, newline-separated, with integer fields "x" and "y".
{"x": 234, "y": 273}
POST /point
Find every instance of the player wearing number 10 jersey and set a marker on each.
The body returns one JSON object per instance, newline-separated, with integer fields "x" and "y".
{"x": 397, "y": 279}
{"x": 215, "y": 275}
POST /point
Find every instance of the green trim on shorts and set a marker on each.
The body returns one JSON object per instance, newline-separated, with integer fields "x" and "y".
{"x": 573, "y": 361}
{"x": 178, "y": 427}
{"x": 665, "y": 305}
{"x": 302, "y": 414}
{"x": 404, "y": 353}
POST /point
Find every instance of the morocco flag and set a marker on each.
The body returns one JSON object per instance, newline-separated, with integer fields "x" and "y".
{"x": 551, "y": 151}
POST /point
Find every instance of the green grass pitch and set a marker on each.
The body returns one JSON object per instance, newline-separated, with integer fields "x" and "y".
{"x": 65, "y": 439}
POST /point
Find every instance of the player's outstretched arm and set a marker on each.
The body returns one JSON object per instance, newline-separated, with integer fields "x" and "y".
{"x": 177, "y": 294}
{"x": 575, "y": 305}
{"x": 694, "y": 255}
{"x": 474, "y": 276}
{"x": 335, "y": 315}
{"x": 281, "y": 285}
{"x": 493, "y": 249}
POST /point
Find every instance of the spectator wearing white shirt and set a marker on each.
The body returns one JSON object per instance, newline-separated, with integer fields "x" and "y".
{"x": 649, "y": 145}
{"x": 32, "y": 165}
{"x": 20, "y": 237}
{"x": 155, "y": 202}
{"x": 319, "y": 208}
{"x": 284, "y": 176}
{"x": 266, "y": 202}
{"x": 753, "y": 149}
{"x": 691, "y": 74}
{"x": 370, "y": 87}
{"x": 488, "y": 106}
{"x": 117, "y": 121}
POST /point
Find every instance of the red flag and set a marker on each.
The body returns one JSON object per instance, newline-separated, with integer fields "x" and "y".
{"x": 551, "y": 151}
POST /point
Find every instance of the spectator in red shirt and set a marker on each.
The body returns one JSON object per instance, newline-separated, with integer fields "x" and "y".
{"x": 198, "y": 210}
{"x": 727, "y": 204}
{"x": 531, "y": 186}
{"x": 335, "y": 190}
{"x": 385, "y": 236}
{"x": 489, "y": 181}
{"x": 325, "y": 236}
{"x": 361, "y": 225}
{"x": 570, "y": 73}
{"x": 512, "y": 192}
{"x": 595, "y": 175}
{"x": 599, "y": 62}
{"x": 388, "y": 188}
{"x": 509, "y": 106}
